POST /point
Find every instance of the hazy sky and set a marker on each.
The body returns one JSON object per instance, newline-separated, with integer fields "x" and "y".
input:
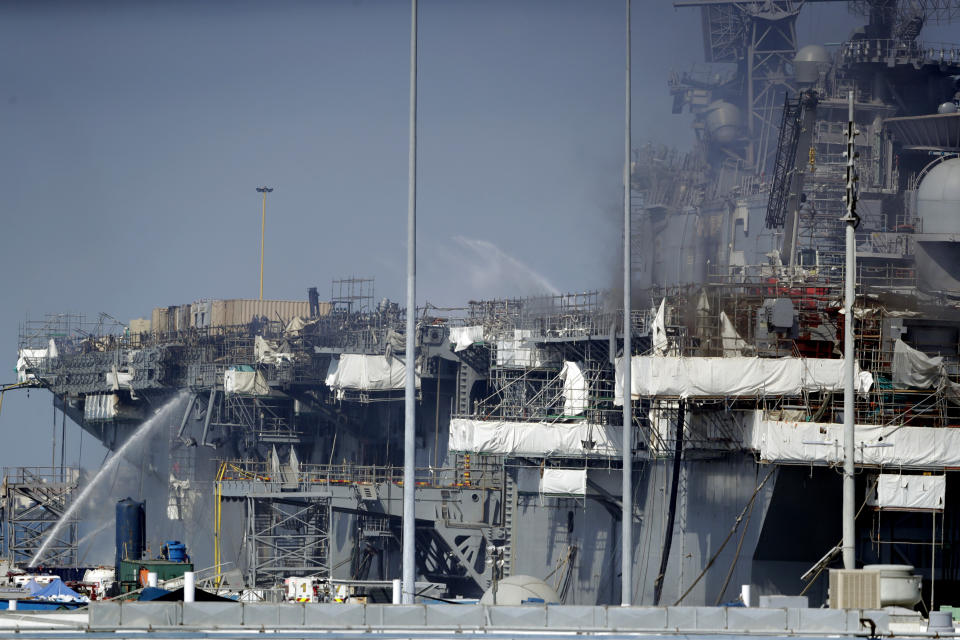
{"x": 132, "y": 135}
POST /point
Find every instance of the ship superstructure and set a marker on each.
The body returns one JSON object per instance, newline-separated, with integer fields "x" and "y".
{"x": 284, "y": 454}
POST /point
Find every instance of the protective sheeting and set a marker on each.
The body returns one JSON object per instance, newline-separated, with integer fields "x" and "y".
{"x": 32, "y": 586}
{"x": 912, "y": 368}
{"x": 574, "y": 389}
{"x": 534, "y": 438}
{"x": 902, "y": 492}
{"x": 568, "y": 482}
{"x": 60, "y": 592}
{"x": 822, "y": 443}
{"x": 658, "y": 330}
{"x": 733, "y": 344}
{"x": 296, "y": 326}
{"x": 245, "y": 383}
{"x": 521, "y": 351}
{"x": 28, "y": 358}
{"x": 465, "y": 337}
{"x": 101, "y": 407}
{"x": 268, "y": 352}
{"x": 119, "y": 379}
{"x": 367, "y": 373}
{"x": 727, "y": 377}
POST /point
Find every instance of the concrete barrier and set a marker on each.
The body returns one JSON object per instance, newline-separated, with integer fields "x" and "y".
{"x": 480, "y": 618}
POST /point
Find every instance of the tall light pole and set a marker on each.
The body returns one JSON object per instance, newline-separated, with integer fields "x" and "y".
{"x": 409, "y": 424}
{"x": 849, "y": 545}
{"x": 626, "y": 535}
{"x": 263, "y": 230}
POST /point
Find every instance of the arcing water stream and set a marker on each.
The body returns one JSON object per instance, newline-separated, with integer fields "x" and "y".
{"x": 143, "y": 431}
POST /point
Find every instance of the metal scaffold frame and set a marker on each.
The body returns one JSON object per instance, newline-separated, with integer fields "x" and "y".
{"x": 816, "y": 302}
{"x": 352, "y": 295}
{"x": 286, "y": 536}
{"x": 530, "y": 347}
{"x": 34, "y": 500}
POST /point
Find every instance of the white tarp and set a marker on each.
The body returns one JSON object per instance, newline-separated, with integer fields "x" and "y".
{"x": 567, "y": 482}
{"x": 119, "y": 379}
{"x": 741, "y": 376}
{"x": 245, "y": 383}
{"x": 27, "y": 358}
{"x": 465, "y": 337}
{"x": 822, "y": 443}
{"x": 267, "y": 352}
{"x": 574, "y": 389}
{"x": 903, "y": 492}
{"x": 537, "y": 439}
{"x": 101, "y": 406}
{"x": 658, "y": 330}
{"x": 367, "y": 373}
{"x": 733, "y": 344}
{"x": 912, "y": 368}
{"x": 295, "y": 326}
{"x": 521, "y": 351}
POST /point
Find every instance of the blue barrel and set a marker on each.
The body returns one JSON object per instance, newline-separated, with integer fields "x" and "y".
{"x": 176, "y": 551}
{"x": 131, "y": 530}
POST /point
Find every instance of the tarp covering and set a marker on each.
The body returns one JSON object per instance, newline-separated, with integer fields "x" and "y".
{"x": 903, "y": 492}
{"x": 563, "y": 481}
{"x": 822, "y": 443}
{"x": 101, "y": 406}
{"x": 366, "y": 373}
{"x": 33, "y": 586}
{"x": 522, "y": 352}
{"x": 119, "y": 379}
{"x": 464, "y": 337}
{"x": 268, "y": 352}
{"x": 912, "y": 368}
{"x": 739, "y": 376}
{"x": 245, "y": 383}
{"x": 27, "y": 358}
{"x": 199, "y": 595}
{"x": 658, "y": 330}
{"x": 733, "y": 344}
{"x": 534, "y": 438}
{"x": 151, "y": 593}
{"x": 574, "y": 389}
{"x": 296, "y": 325}
{"x": 60, "y": 592}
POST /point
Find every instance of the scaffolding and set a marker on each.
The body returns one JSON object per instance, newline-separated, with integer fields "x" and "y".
{"x": 532, "y": 346}
{"x": 287, "y": 536}
{"x": 289, "y": 508}
{"x": 34, "y": 501}
{"x": 352, "y": 295}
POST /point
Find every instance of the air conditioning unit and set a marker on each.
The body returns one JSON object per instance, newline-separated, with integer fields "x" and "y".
{"x": 854, "y": 589}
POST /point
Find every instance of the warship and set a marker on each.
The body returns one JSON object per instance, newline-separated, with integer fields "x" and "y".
{"x": 277, "y": 453}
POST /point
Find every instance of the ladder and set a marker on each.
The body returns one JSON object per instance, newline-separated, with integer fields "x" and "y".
{"x": 509, "y": 513}
{"x": 790, "y": 126}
